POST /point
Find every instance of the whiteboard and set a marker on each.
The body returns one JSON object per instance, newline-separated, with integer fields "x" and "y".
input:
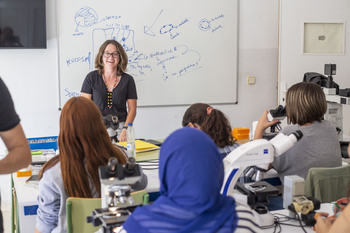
{"x": 180, "y": 52}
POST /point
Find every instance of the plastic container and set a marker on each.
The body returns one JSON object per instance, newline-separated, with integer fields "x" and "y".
{"x": 240, "y": 133}
{"x": 130, "y": 140}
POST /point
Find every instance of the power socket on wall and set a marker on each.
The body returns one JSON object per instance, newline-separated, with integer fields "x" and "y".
{"x": 251, "y": 80}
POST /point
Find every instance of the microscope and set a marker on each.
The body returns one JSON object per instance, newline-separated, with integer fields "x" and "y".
{"x": 112, "y": 123}
{"x": 279, "y": 114}
{"x": 117, "y": 203}
{"x": 258, "y": 153}
{"x": 335, "y": 96}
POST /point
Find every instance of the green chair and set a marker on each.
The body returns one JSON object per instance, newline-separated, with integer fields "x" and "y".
{"x": 78, "y": 209}
{"x": 140, "y": 197}
{"x": 327, "y": 184}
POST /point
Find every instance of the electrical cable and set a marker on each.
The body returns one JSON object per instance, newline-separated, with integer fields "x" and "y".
{"x": 302, "y": 227}
{"x": 279, "y": 221}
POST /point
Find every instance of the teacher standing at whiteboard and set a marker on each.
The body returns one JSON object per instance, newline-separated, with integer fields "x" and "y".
{"x": 110, "y": 87}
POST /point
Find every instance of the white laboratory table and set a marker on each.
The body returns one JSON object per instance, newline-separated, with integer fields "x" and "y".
{"x": 27, "y": 193}
{"x": 25, "y": 197}
{"x": 325, "y": 207}
{"x": 26, "y": 200}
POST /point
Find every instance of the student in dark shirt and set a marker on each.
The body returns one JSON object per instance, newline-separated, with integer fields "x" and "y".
{"x": 12, "y": 135}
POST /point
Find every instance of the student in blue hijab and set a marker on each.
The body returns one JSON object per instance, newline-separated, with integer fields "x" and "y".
{"x": 191, "y": 173}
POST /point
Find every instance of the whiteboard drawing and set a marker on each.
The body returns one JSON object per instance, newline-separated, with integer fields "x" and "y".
{"x": 171, "y": 48}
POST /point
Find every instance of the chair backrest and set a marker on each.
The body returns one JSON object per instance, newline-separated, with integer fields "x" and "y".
{"x": 327, "y": 184}
{"x": 141, "y": 197}
{"x": 78, "y": 209}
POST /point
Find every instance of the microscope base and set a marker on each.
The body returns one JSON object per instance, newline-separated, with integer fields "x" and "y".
{"x": 263, "y": 219}
{"x": 257, "y": 192}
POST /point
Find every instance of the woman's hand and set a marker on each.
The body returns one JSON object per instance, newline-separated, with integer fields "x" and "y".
{"x": 263, "y": 124}
{"x": 122, "y": 136}
{"x": 322, "y": 224}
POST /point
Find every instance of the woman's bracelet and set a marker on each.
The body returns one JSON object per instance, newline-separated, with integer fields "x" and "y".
{"x": 125, "y": 127}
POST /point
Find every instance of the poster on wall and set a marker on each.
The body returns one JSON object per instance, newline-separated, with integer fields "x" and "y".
{"x": 323, "y": 38}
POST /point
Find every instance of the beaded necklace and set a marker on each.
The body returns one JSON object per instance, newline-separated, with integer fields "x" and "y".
{"x": 109, "y": 93}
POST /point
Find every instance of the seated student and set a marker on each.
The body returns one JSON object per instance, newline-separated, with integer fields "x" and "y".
{"x": 340, "y": 224}
{"x": 319, "y": 147}
{"x": 84, "y": 145}
{"x": 191, "y": 173}
{"x": 214, "y": 123}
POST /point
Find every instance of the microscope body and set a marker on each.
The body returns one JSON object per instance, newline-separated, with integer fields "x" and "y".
{"x": 335, "y": 96}
{"x": 112, "y": 124}
{"x": 117, "y": 184}
{"x": 117, "y": 202}
{"x": 259, "y": 153}
{"x": 279, "y": 114}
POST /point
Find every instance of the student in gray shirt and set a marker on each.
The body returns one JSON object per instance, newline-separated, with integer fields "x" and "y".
{"x": 319, "y": 147}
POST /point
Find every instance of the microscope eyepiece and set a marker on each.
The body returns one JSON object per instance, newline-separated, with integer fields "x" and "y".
{"x": 129, "y": 167}
{"x": 298, "y": 134}
{"x": 132, "y": 160}
{"x": 112, "y": 164}
{"x": 114, "y": 119}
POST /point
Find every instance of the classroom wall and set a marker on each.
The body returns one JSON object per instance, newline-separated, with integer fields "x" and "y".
{"x": 293, "y": 63}
{"x": 32, "y": 77}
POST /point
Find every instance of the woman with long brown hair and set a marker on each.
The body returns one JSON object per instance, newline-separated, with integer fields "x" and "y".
{"x": 84, "y": 145}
